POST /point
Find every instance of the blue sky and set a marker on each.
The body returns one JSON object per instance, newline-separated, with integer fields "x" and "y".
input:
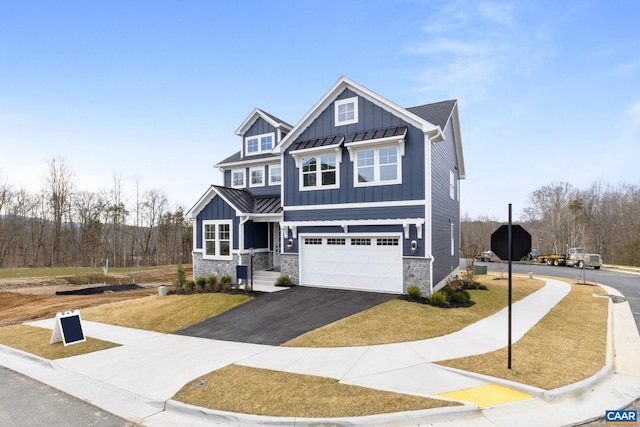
{"x": 153, "y": 91}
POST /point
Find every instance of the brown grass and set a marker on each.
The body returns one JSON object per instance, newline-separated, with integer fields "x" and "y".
{"x": 264, "y": 392}
{"x": 401, "y": 321}
{"x": 164, "y": 314}
{"x": 567, "y": 345}
{"x": 36, "y": 341}
{"x": 16, "y": 307}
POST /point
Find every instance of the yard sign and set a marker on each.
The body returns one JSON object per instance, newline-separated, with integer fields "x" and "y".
{"x": 68, "y": 328}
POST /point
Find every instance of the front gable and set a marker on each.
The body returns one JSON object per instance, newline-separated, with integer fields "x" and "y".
{"x": 260, "y": 133}
{"x": 345, "y": 88}
{"x": 377, "y": 155}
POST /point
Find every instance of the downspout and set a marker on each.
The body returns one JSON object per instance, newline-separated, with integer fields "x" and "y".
{"x": 428, "y": 229}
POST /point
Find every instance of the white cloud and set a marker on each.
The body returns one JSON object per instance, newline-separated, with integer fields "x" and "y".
{"x": 471, "y": 48}
{"x": 500, "y": 13}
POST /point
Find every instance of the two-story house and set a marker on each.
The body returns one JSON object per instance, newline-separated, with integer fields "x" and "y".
{"x": 359, "y": 194}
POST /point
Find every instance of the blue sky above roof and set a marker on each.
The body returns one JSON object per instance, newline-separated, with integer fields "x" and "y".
{"x": 153, "y": 91}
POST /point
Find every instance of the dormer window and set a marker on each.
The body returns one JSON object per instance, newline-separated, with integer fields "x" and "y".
{"x": 346, "y": 111}
{"x": 259, "y": 144}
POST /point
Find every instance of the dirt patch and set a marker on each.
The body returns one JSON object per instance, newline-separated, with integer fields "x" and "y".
{"x": 17, "y": 307}
{"x": 24, "y": 299}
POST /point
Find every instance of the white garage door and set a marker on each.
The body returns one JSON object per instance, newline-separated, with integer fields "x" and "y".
{"x": 370, "y": 263}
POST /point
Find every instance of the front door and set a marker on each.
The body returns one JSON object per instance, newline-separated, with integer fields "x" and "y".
{"x": 276, "y": 245}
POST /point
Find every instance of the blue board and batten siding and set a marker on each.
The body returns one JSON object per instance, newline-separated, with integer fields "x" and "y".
{"x": 216, "y": 209}
{"x": 370, "y": 117}
{"x": 265, "y": 190}
{"x": 256, "y": 235}
{"x": 259, "y": 127}
{"x": 445, "y": 210}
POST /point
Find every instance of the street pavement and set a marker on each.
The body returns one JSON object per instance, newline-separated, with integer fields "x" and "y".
{"x": 26, "y": 402}
{"x": 137, "y": 380}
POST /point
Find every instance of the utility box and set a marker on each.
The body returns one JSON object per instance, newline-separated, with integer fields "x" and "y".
{"x": 479, "y": 269}
{"x": 162, "y": 291}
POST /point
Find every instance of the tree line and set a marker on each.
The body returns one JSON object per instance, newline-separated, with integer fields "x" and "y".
{"x": 603, "y": 218}
{"x": 64, "y": 226}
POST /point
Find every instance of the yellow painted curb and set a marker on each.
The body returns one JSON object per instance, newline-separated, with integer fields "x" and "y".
{"x": 487, "y": 395}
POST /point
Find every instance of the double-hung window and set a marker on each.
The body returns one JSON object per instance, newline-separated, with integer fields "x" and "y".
{"x": 237, "y": 178}
{"x": 217, "y": 238}
{"x": 377, "y": 166}
{"x": 275, "y": 175}
{"x": 256, "y": 177}
{"x": 259, "y": 144}
{"x": 318, "y": 172}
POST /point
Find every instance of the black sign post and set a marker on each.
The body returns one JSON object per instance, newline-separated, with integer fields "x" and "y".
{"x": 510, "y": 238}
{"x": 508, "y": 242}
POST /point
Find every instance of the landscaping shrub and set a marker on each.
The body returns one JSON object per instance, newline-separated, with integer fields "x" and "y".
{"x": 448, "y": 291}
{"x": 483, "y": 287}
{"x": 212, "y": 282}
{"x": 438, "y": 298}
{"x": 226, "y": 282}
{"x": 189, "y": 285}
{"x": 459, "y": 298}
{"x": 284, "y": 280}
{"x": 201, "y": 282}
{"x": 414, "y": 292}
{"x": 181, "y": 279}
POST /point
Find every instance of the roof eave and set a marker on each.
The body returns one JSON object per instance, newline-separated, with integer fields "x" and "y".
{"x": 246, "y": 124}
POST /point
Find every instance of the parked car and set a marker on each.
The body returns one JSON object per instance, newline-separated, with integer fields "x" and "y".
{"x": 486, "y": 256}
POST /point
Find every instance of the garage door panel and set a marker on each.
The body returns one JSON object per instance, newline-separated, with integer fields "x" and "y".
{"x": 352, "y": 266}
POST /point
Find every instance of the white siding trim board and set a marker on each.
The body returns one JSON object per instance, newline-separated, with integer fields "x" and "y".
{"x": 345, "y": 224}
{"x": 334, "y": 206}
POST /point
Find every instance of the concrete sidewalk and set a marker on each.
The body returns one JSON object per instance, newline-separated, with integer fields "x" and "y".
{"x": 137, "y": 380}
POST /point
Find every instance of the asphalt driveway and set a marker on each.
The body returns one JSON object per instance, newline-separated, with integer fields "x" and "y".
{"x": 279, "y": 317}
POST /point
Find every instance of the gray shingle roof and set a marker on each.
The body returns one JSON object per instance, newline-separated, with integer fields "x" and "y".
{"x": 274, "y": 118}
{"x": 376, "y": 134}
{"x": 236, "y": 158}
{"x": 437, "y": 113}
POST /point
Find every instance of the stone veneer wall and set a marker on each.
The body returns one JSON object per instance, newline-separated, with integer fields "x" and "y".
{"x": 415, "y": 271}
{"x": 207, "y": 267}
{"x": 289, "y": 266}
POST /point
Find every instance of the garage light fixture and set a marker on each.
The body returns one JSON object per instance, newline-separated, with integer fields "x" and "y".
{"x": 290, "y": 243}
{"x": 414, "y": 246}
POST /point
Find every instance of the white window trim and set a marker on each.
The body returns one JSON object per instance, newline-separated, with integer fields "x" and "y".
{"x": 259, "y": 138}
{"x": 251, "y": 170}
{"x": 318, "y": 173}
{"x": 453, "y": 240}
{"x": 244, "y": 178}
{"x": 318, "y": 152}
{"x": 275, "y": 182}
{"x": 355, "y": 148}
{"x": 452, "y": 185}
{"x": 204, "y": 241}
{"x": 339, "y": 102}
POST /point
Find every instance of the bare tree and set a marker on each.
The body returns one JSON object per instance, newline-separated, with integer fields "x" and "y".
{"x": 153, "y": 208}
{"x": 59, "y": 188}
{"x": 550, "y": 212}
{"x": 89, "y": 208}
